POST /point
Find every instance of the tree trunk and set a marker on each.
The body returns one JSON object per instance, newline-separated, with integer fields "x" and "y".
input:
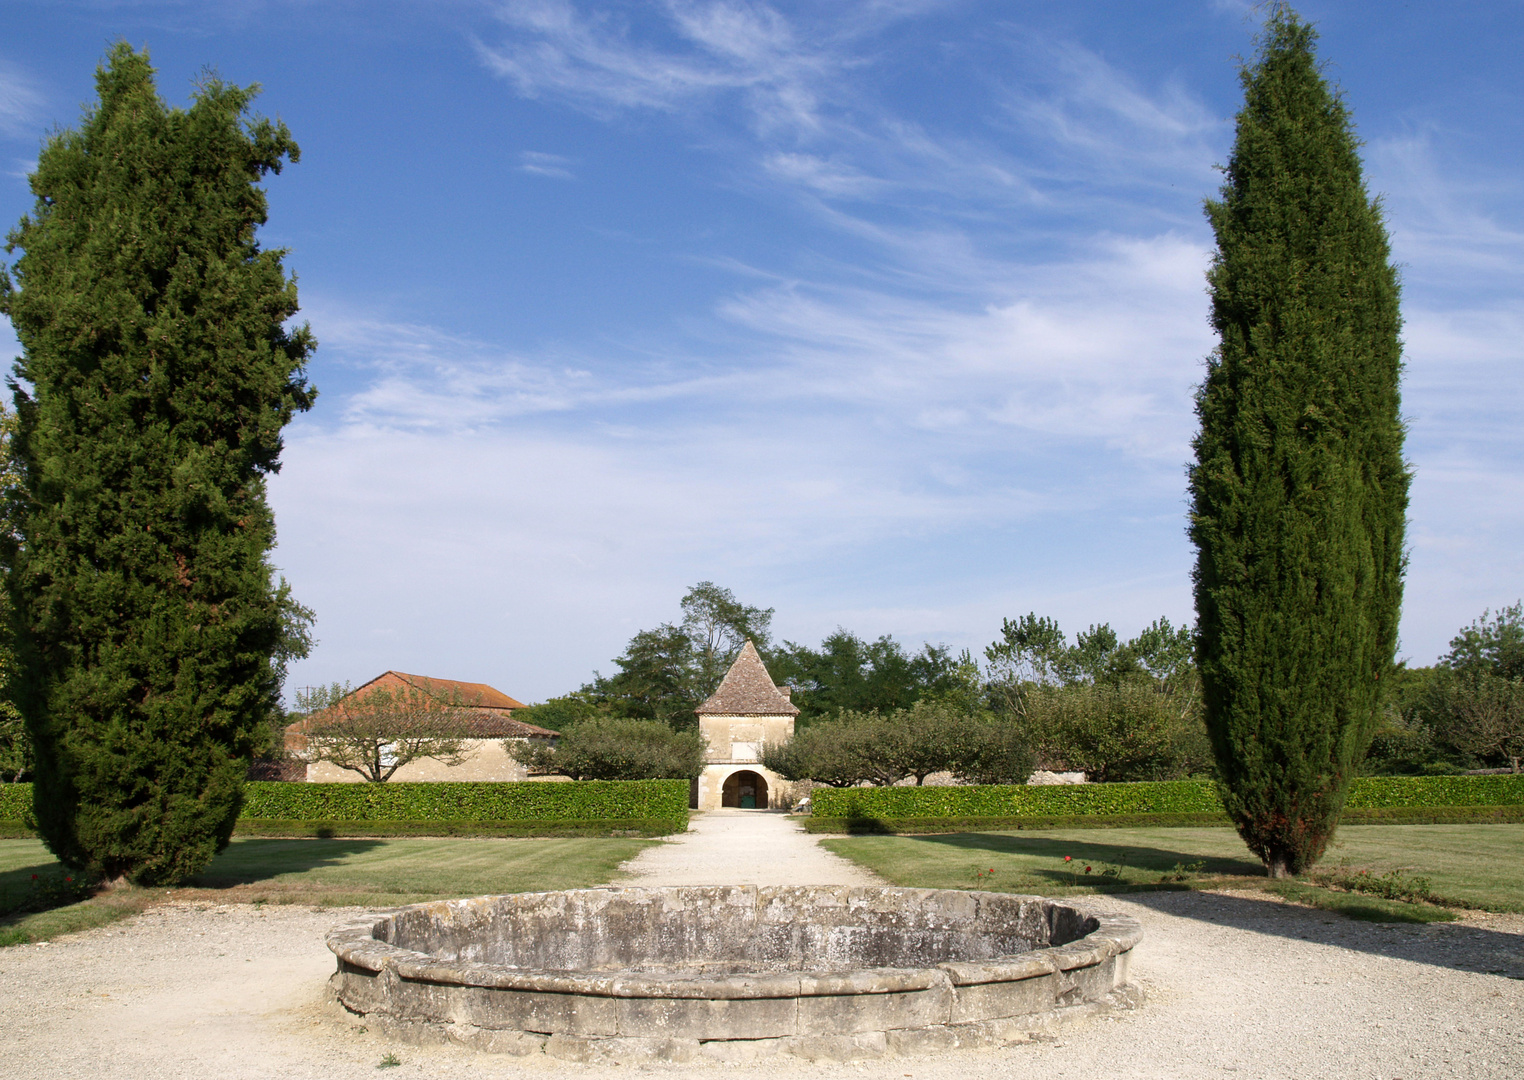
{"x": 1275, "y": 866}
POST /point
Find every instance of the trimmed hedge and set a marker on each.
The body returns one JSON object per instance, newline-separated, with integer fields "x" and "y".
{"x": 457, "y": 801}
{"x": 15, "y": 803}
{"x": 1173, "y": 797}
{"x": 602, "y": 827}
{"x": 1398, "y": 815}
{"x": 447, "y": 808}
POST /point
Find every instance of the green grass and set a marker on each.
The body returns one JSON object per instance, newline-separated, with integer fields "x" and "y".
{"x": 329, "y": 873}
{"x": 1467, "y": 865}
{"x": 1358, "y": 905}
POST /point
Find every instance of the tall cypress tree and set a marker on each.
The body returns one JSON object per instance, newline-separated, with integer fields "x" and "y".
{"x": 1299, "y": 489}
{"x": 157, "y": 376}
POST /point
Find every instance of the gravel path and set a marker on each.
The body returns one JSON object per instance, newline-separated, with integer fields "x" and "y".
{"x": 743, "y": 847}
{"x": 1238, "y": 985}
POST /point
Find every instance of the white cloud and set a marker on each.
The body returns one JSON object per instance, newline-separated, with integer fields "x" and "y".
{"x": 21, "y": 103}
{"x": 596, "y": 61}
{"x": 554, "y": 166}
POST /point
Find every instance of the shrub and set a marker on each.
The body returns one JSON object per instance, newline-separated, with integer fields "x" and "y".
{"x": 453, "y": 801}
{"x": 593, "y": 800}
{"x": 614, "y": 748}
{"x": 928, "y": 737}
{"x": 1167, "y": 797}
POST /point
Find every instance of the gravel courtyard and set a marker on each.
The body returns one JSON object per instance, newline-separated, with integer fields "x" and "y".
{"x": 1237, "y": 984}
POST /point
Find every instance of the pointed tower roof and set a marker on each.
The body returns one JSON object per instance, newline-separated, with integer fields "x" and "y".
{"x": 748, "y": 690}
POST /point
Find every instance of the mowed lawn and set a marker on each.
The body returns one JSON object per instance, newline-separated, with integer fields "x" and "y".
{"x": 1478, "y": 865}
{"x": 331, "y": 873}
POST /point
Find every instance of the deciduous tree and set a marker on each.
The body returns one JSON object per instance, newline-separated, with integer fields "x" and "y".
{"x": 374, "y": 732}
{"x": 616, "y": 748}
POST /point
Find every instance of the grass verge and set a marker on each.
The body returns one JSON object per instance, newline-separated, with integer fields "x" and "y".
{"x": 355, "y": 871}
{"x": 1466, "y": 865}
{"x": 1357, "y": 905}
{"x": 1385, "y": 815}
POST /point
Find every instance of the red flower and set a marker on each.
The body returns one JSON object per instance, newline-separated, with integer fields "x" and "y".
{"x": 34, "y": 877}
{"x": 1068, "y": 858}
{"x": 992, "y": 869}
{"x": 1087, "y": 869}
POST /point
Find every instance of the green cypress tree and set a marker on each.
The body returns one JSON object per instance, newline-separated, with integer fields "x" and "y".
{"x": 157, "y": 376}
{"x": 1299, "y": 489}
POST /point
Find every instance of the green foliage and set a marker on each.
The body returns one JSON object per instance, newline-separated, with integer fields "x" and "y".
{"x": 15, "y": 744}
{"x": 852, "y": 675}
{"x": 376, "y": 730}
{"x": 1472, "y": 707}
{"x": 930, "y": 736}
{"x": 1169, "y": 797}
{"x": 158, "y": 374}
{"x": 1018, "y": 800}
{"x": 460, "y": 801}
{"x": 1114, "y": 710}
{"x": 1493, "y": 644}
{"x": 1110, "y": 731}
{"x": 561, "y": 713}
{"x": 16, "y": 803}
{"x": 616, "y": 748}
{"x": 1392, "y": 885}
{"x": 1299, "y": 491}
{"x": 666, "y": 673}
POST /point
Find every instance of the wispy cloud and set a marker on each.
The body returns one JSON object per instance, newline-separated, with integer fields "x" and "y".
{"x": 21, "y": 103}
{"x": 603, "y": 61}
{"x": 537, "y": 163}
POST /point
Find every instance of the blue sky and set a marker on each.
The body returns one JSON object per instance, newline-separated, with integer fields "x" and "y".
{"x": 884, "y": 314}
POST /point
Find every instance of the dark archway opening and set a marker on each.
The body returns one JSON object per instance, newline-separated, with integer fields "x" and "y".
{"x": 746, "y": 790}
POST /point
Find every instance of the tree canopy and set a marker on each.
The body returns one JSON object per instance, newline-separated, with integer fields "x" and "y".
{"x": 1299, "y": 489}
{"x": 159, "y": 369}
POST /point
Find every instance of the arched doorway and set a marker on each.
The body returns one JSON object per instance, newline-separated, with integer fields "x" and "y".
{"x": 745, "y": 789}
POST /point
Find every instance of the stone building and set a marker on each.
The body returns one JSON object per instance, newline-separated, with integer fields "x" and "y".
{"x": 746, "y": 711}
{"x": 489, "y": 720}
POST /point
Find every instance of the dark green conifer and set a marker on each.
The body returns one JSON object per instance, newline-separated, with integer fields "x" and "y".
{"x": 1299, "y": 489}
{"x": 157, "y": 376}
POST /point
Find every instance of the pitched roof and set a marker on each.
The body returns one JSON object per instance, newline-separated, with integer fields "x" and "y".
{"x": 748, "y": 690}
{"x": 488, "y": 712}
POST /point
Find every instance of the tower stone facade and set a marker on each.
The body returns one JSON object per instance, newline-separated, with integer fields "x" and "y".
{"x": 746, "y": 711}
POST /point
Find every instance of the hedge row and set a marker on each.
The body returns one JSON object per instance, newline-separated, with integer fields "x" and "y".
{"x": 456, "y": 801}
{"x": 15, "y": 803}
{"x": 600, "y": 805}
{"x": 1398, "y": 815}
{"x": 602, "y": 827}
{"x": 1168, "y": 797}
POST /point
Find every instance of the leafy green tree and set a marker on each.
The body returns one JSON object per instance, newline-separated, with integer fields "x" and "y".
{"x": 848, "y": 673}
{"x": 929, "y": 737}
{"x": 717, "y": 625}
{"x": 656, "y": 679}
{"x": 1112, "y": 709}
{"x": 1299, "y": 490}
{"x": 666, "y": 673}
{"x": 562, "y": 713}
{"x": 375, "y": 732}
{"x": 616, "y": 748}
{"x": 158, "y": 373}
{"x": 1473, "y": 706}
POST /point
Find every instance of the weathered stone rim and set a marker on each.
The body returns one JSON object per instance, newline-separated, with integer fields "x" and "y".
{"x": 359, "y": 946}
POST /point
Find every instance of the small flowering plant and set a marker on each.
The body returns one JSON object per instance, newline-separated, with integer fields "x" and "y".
{"x": 45, "y": 891}
{"x": 982, "y": 876}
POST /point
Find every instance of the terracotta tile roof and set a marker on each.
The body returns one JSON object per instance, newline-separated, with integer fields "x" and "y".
{"x": 748, "y": 690}
{"x": 489, "y": 714}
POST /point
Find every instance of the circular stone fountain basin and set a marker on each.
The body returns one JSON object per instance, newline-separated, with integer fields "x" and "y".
{"x": 733, "y": 972}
